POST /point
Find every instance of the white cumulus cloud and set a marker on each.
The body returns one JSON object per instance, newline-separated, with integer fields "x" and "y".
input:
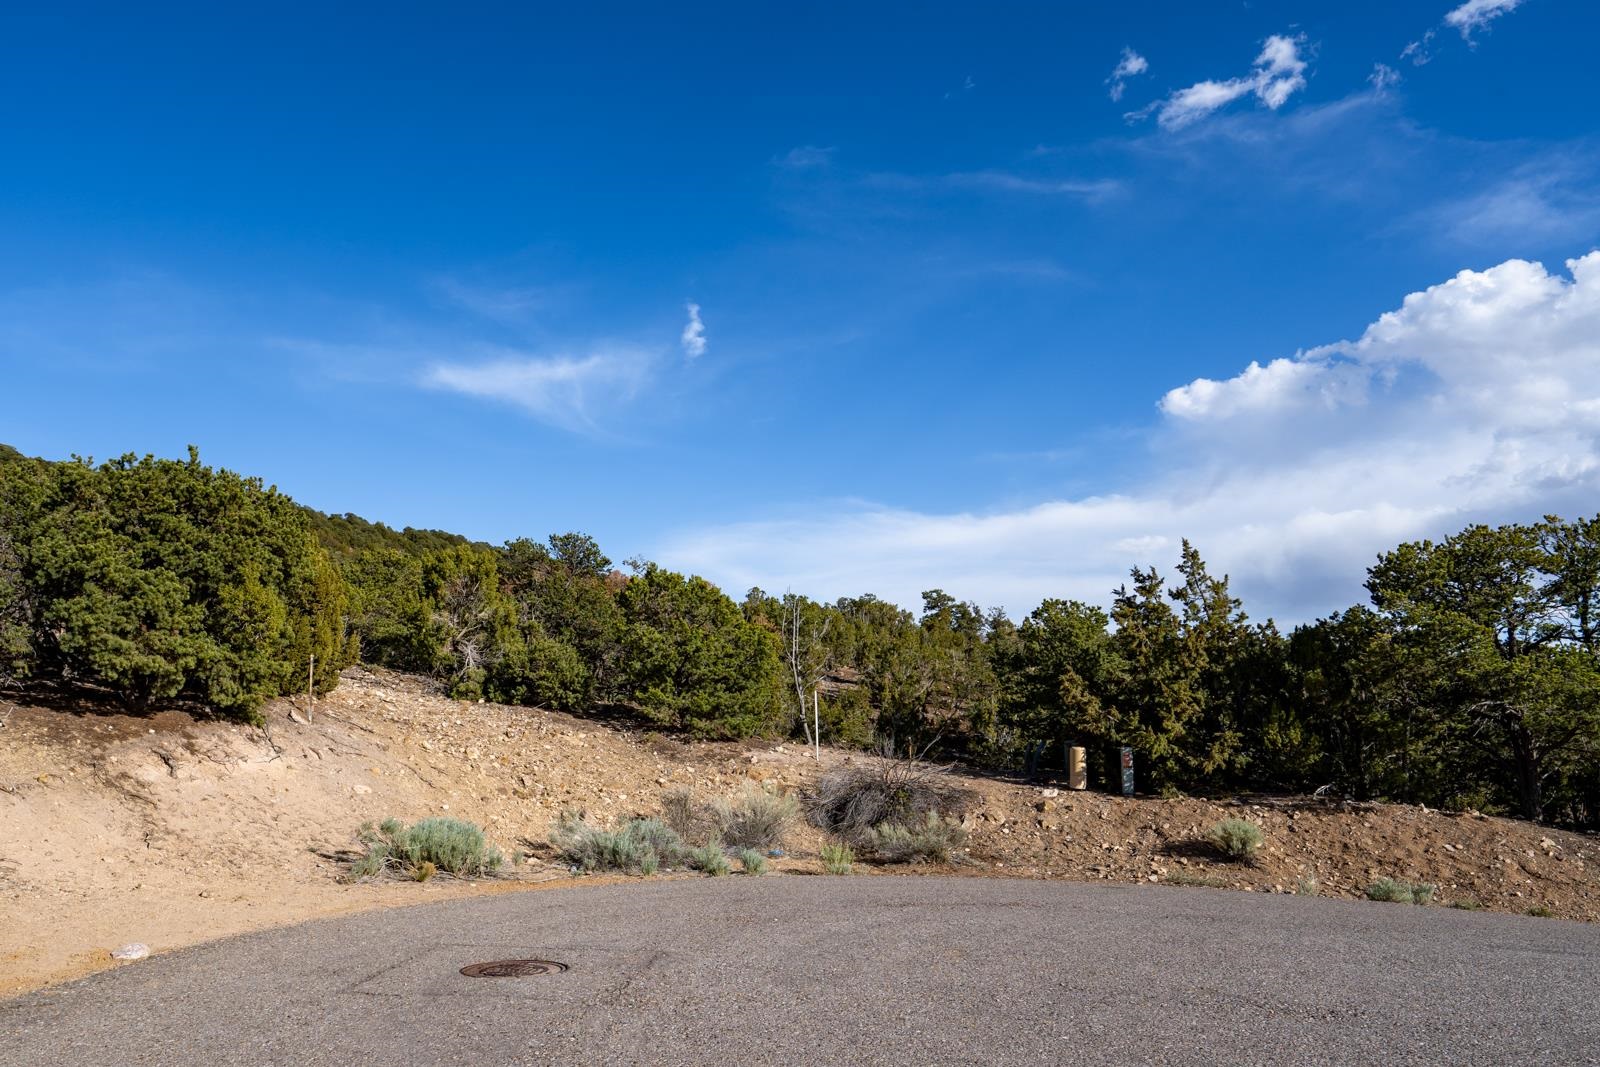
{"x": 1131, "y": 65}
{"x": 1477, "y": 399}
{"x": 693, "y": 337}
{"x": 1277, "y": 74}
{"x": 1477, "y": 14}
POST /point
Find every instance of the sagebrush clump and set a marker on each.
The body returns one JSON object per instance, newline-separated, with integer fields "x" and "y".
{"x": 838, "y": 859}
{"x": 421, "y": 850}
{"x": 1390, "y": 891}
{"x": 689, "y": 818}
{"x": 1238, "y": 839}
{"x": 710, "y": 859}
{"x": 1395, "y": 891}
{"x": 752, "y": 861}
{"x": 638, "y": 846}
{"x": 933, "y": 840}
{"x": 755, "y": 819}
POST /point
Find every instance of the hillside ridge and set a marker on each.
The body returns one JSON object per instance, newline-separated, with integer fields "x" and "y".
{"x": 169, "y": 829}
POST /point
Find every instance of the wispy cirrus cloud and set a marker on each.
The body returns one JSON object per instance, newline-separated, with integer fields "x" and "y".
{"x": 1089, "y": 190}
{"x": 1548, "y": 197}
{"x": 1278, "y": 73}
{"x": 967, "y": 85}
{"x": 1383, "y": 78}
{"x": 805, "y": 157}
{"x": 1420, "y": 51}
{"x": 502, "y": 303}
{"x": 1008, "y": 182}
{"x": 570, "y": 392}
{"x": 1131, "y": 65}
{"x": 693, "y": 338}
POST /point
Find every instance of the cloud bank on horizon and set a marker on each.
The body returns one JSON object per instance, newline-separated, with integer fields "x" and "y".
{"x": 1477, "y": 399}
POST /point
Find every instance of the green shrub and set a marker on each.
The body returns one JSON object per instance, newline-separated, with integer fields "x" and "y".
{"x": 757, "y": 819}
{"x": 638, "y": 846}
{"x": 752, "y": 861}
{"x": 1395, "y": 891}
{"x": 689, "y": 658}
{"x": 838, "y": 859}
{"x": 1308, "y": 886}
{"x": 933, "y": 840}
{"x": 711, "y": 860}
{"x": 419, "y": 851}
{"x": 1539, "y": 911}
{"x": 1237, "y": 839}
{"x": 847, "y": 718}
{"x": 1390, "y": 891}
{"x": 152, "y": 580}
{"x": 1467, "y": 904}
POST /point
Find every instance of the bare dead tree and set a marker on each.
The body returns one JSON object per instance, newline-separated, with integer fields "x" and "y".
{"x": 806, "y": 655}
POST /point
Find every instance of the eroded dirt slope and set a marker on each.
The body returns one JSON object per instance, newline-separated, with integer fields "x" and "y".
{"x": 168, "y": 830}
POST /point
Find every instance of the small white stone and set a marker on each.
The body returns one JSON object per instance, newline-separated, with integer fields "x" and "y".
{"x": 131, "y": 951}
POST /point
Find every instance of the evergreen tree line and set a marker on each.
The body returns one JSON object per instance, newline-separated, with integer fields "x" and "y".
{"x": 1472, "y": 678}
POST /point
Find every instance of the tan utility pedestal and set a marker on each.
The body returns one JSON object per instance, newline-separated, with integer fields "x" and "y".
{"x": 1077, "y": 768}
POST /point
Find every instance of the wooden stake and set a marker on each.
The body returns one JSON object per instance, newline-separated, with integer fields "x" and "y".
{"x": 816, "y": 727}
{"x": 311, "y": 687}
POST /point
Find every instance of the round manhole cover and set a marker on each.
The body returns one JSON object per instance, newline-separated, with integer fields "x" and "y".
{"x": 513, "y": 968}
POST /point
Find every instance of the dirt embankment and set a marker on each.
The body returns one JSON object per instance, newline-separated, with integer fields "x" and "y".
{"x": 167, "y": 830}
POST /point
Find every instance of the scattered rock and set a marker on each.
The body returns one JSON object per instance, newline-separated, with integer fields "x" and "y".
{"x": 133, "y": 950}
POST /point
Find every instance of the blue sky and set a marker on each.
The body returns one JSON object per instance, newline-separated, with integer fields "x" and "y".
{"x": 861, "y": 298}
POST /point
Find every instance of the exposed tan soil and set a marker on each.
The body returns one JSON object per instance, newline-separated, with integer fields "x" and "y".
{"x": 169, "y": 830}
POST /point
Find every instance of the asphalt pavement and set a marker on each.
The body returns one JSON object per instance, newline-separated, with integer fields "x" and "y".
{"x": 825, "y": 970}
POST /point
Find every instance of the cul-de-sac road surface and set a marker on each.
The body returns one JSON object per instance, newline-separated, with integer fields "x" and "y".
{"x": 818, "y": 970}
